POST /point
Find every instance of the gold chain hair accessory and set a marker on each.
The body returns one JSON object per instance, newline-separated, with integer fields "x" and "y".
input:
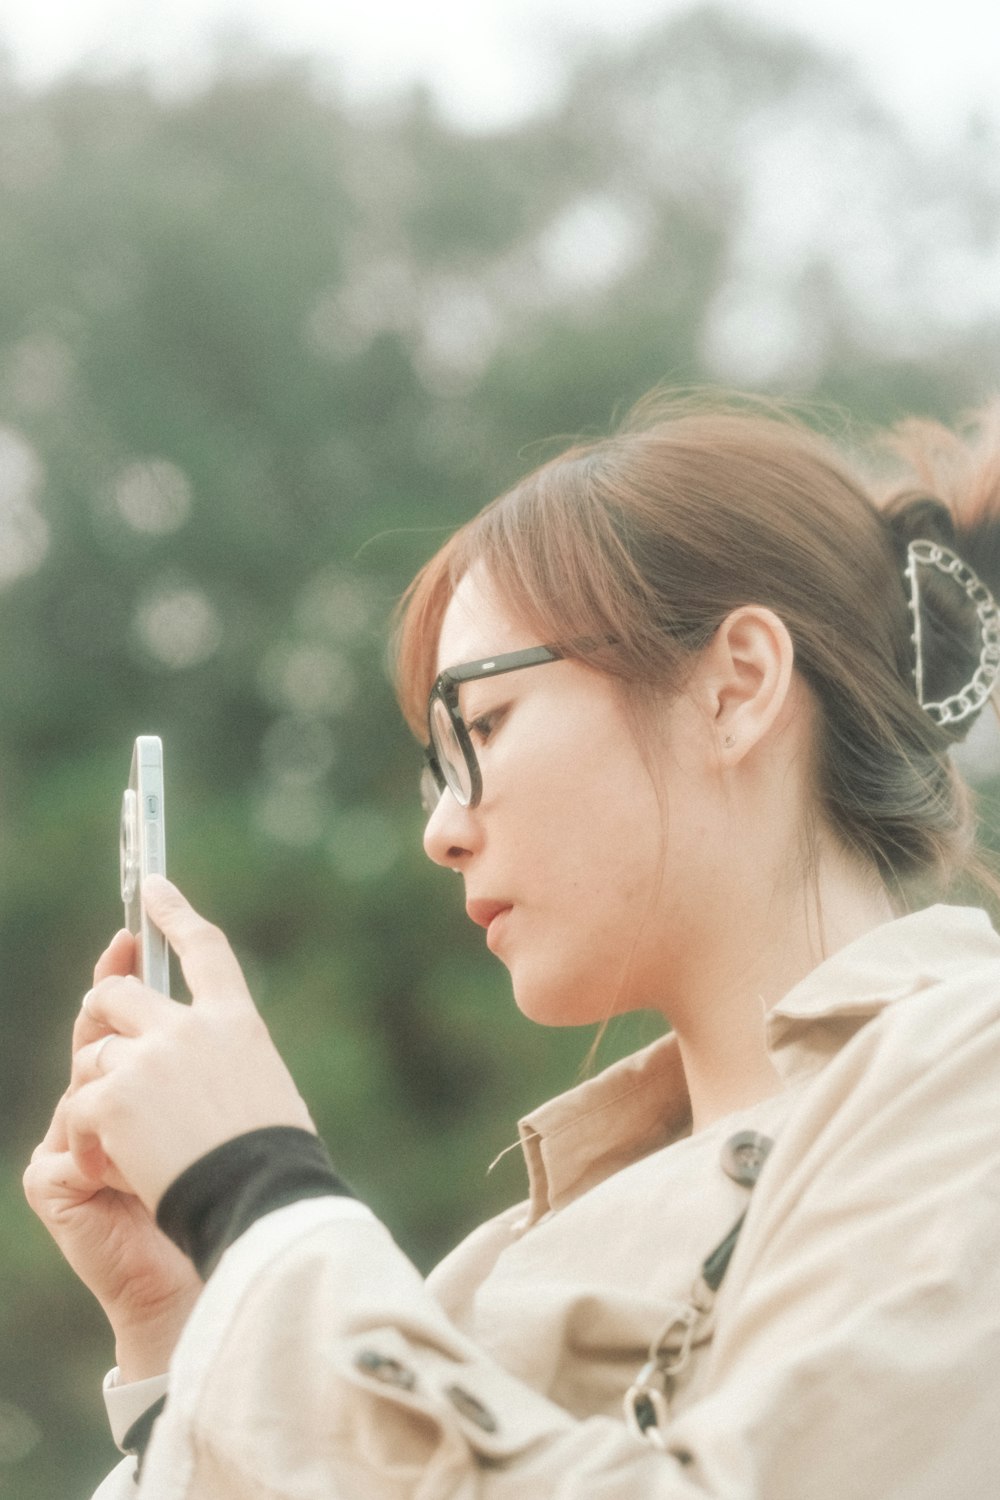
{"x": 970, "y": 698}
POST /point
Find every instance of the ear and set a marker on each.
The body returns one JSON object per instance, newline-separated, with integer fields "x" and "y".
{"x": 744, "y": 678}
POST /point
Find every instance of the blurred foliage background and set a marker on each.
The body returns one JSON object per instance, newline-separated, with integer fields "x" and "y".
{"x": 258, "y": 353}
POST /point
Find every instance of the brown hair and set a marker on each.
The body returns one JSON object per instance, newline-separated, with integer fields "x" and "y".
{"x": 646, "y": 540}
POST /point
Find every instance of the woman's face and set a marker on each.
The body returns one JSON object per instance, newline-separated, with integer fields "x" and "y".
{"x": 586, "y": 859}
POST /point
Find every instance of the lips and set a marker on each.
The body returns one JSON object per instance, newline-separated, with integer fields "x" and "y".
{"x": 483, "y": 912}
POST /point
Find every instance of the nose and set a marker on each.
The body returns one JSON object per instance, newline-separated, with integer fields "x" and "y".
{"x": 450, "y": 833}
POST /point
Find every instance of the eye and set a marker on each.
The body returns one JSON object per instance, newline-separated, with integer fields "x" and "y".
{"x": 482, "y": 727}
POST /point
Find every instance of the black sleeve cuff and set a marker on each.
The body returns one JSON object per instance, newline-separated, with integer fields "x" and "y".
{"x": 136, "y": 1440}
{"x": 219, "y": 1196}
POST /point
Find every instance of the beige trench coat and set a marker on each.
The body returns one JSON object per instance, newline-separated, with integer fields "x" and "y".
{"x": 852, "y": 1353}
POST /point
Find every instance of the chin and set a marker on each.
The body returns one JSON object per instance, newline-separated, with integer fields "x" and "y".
{"x": 559, "y": 1005}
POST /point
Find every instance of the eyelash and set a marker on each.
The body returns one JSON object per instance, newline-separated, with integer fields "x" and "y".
{"x": 482, "y": 727}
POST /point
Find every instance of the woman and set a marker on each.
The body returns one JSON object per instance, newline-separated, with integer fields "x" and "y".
{"x": 689, "y": 695}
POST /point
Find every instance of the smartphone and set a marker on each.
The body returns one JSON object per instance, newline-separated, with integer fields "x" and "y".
{"x": 142, "y": 852}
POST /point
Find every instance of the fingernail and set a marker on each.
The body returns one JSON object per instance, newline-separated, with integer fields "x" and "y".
{"x": 85, "y": 1005}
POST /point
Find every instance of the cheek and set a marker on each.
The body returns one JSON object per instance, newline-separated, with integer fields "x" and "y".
{"x": 579, "y": 813}
{"x": 587, "y": 937}
{"x": 604, "y": 871}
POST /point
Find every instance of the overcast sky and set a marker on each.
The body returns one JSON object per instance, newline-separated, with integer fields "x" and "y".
{"x": 492, "y": 61}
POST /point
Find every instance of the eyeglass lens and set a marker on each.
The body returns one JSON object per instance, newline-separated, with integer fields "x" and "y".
{"x": 430, "y": 791}
{"x": 449, "y": 752}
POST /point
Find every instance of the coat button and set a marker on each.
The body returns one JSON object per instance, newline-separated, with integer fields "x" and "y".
{"x": 743, "y": 1156}
{"x": 388, "y": 1371}
{"x": 471, "y": 1408}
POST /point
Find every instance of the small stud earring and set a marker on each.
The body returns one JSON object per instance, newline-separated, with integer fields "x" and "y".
{"x": 729, "y": 741}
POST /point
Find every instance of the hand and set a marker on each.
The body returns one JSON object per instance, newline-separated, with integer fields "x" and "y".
{"x": 173, "y": 1081}
{"x": 144, "y": 1284}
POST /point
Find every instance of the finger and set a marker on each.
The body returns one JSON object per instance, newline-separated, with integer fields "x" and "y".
{"x": 82, "y": 1113}
{"x": 83, "y": 1129}
{"x": 55, "y": 1138}
{"x": 92, "y": 1023}
{"x": 86, "y": 1027}
{"x": 53, "y": 1177}
{"x": 117, "y": 958}
{"x": 207, "y": 961}
{"x": 95, "y": 1060}
{"x": 86, "y": 1151}
{"x": 121, "y": 1004}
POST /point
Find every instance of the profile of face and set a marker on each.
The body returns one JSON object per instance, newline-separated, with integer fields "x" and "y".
{"x": 590, "y": 854}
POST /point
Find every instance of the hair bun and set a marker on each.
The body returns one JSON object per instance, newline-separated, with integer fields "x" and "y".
{"x": 915, "y": 516}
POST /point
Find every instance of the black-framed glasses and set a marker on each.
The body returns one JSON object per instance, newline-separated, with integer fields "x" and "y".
{"x": 450, "y": 757}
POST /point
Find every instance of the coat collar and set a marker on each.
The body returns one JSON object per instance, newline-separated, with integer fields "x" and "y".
{"x": 641, "y": 1104}
{"x": 634, "y": 1107}
{"x": 886, "y": 965}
